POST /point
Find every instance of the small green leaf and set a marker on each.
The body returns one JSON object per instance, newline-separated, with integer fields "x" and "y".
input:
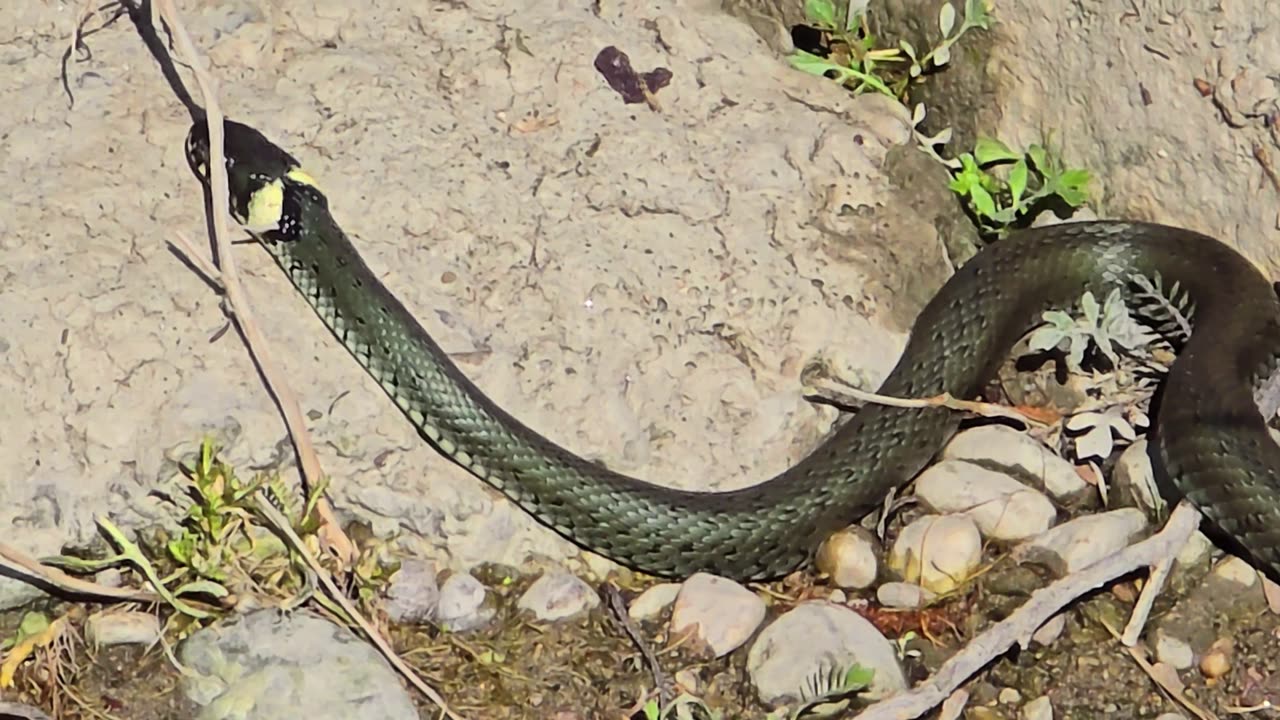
{"x": 858, "y": 676}
{"x": 946, "y": 19}
{"x": 976, "y": 15}
{"x": 33, "y": 623}
{"x": 942, "y": 56}
{"x": 1073, "y": 186}
{"x": 651, "y": 710}
{"x": 982, "y": 201}
{"x": 989, "y": 150}
{"x": 1039, "y": 157}
{"x": 1018, "y": 180}
{"x": 205, "y": 587}
{"x": 822, "y": 12}
{"x": 857, "y": 9}
{"x": 907, "y": 48}
{"x": 1089, "y": 306}
{"x": 814, "y": 65}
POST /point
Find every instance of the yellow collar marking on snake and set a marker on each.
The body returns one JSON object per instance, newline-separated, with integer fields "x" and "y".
{"x": 267, "y": 202}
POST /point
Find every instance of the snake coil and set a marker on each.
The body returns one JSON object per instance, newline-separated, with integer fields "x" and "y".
{"x": 1209, "y": 443}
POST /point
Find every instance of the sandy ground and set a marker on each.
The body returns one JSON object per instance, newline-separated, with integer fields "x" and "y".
{"x": 643, "y": 287}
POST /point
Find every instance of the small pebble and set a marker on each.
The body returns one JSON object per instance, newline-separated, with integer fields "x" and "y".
{"x": 122, "y": 628}
{"x": 1003, "y": 508}
{"x": 1009, "y": 696}
{"x": 850, "y": 558}
{"x": 688, "y": 679}
{"x": 558, "y": 595}
{"x": 461, "y": 605}
{"x": 1174, "y": 651}
{"x": 1237, "y": 570}
{"x": 1051, "y": 630}
{"x": 1039, "y": 709}
{"x": 906, "y": 596}
{"x": 720, "y": 613}
{"x": 412, "y": 593}
{"x": 110, "y": 577}
{"x": 938, "y": 552}
{"x": 1214, "y": 664}
{"x": 1197, "y": 548}
{"x": 650, "y": 603}
{"x": 1007, "y": 448}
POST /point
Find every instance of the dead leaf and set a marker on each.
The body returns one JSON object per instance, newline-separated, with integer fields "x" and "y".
{"x": 634, "y": 88}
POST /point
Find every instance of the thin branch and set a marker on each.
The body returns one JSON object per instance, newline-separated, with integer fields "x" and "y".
{"x": 16, "y": 561}
{"x": 282, "y": 524}
{"x": 1043, "y": 604}
{"x": 229, "y": 278}
{"x": 618, "y": 607}
{"x": 828, "y": 390}
{"x": 330, "y": 533}
{"x": 188, "y": 249}
{"x": 1142, "y": 609}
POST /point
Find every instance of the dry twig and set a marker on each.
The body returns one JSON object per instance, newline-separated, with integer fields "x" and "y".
{"x": 285, "y": 528}
{"x": 1042, "y": 605}
{"x": 19, "y": 562}
{"x": 1142, "y": 609}
{"x": 330, "y": 533}
{"x": 226, "y": 275}
{"x": 828, "y": 390}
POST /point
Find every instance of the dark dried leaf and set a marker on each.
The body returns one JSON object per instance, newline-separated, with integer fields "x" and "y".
{"x": 634, "y": 88}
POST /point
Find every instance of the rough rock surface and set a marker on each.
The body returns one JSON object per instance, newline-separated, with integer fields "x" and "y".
{"x": 644, "y": 287}
{"x": 272, "y": 665}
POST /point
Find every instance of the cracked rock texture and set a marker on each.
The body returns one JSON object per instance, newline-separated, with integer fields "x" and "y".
{"x": 642, "y": 286}
{"x": 1172, "y": 104}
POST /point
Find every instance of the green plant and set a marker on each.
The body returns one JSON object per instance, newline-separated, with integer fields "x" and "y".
{"x": 683, "y": 707}
{"x": 1002, "y": 186}
{"x": 857, "y": 63}
{"x": 223, "y": 540}
{"x": 1105, "y": 327}
{"x": 829, "y": 689}
{"x": 215, "y": 530}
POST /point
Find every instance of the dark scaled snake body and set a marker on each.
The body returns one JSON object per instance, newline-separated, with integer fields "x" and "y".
{"x": 1210, "y": 441}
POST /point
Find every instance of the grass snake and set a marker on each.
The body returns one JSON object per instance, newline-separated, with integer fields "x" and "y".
{"x": 1209, "y": 439}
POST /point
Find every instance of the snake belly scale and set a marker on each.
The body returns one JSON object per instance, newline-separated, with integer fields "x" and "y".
{"x": 1210, "y": 442}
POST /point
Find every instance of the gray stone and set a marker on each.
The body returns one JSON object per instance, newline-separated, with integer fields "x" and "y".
{"x": 903, "y": 595}
{"x": 1174, "y": 651}
{"x": 650, "y": 603}
{"x": 1039, "y": 709}
{"x": 122, "y": 628}
{"x": 413, "y": 593}
{"x": 817, "y": 638}
{"x": 720, "y": 613}
{"x": 997, "y": 446}
{"x": 558, "y": 595}
{"x": 1003, "y": 508}
{"x": 1083, "y": 541}
{"x": 270, "y": 665}
{"x": 461, "y": 606}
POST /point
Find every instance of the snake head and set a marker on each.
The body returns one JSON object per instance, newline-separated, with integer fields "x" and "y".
{"x": 256, "y": 171}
